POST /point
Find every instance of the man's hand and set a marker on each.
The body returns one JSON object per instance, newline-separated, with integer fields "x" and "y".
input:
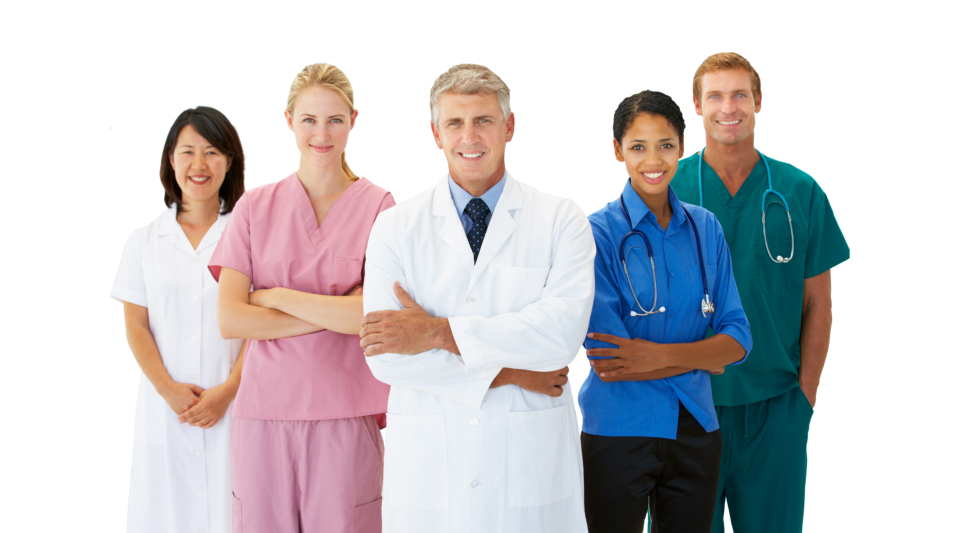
{"x": 549, "y": 383}
{"x": 181, "y": 396}
{"x": 211, "y": 407}
{"x": 635, "y": 356}
{"x": 410, "y": 330}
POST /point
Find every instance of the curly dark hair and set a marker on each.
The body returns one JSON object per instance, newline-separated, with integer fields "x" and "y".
{"x": 650, "y": 102}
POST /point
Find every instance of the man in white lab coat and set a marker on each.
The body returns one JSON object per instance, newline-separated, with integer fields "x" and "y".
{"x": 478, "y": 294}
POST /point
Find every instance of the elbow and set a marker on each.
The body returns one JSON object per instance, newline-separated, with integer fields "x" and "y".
{"x": 227, "y": 325}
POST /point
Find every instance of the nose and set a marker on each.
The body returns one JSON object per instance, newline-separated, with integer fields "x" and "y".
{"x": 471, "y": 134}
{"x": 199, "y": 160}
{"x": 728, "y": 107}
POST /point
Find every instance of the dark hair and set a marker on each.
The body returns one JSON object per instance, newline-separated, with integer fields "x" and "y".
{"x": 650, "y": 102}
{"x": 218, "y": 131}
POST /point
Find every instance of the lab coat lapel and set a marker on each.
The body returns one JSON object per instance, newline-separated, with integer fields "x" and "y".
{"x": 451, "y": 229}
{"x": 502, "y": 226}
{"x": 213, "y": 234}
{"x": 172, "y": 230}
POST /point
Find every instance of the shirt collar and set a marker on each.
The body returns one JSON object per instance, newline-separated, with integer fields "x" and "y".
{"x": 638, "y": 209}
{"x": 461, "y": 197}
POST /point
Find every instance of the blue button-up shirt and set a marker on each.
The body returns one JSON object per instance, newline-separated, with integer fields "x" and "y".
{"x": 461, "y": 198}
{"x": 651, "y": 408}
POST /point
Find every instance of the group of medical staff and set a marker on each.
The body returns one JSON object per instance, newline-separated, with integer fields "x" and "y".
{"x": 280, "y": 329}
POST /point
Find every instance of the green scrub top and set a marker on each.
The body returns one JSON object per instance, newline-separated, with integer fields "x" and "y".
{"x": 772, "y": 293}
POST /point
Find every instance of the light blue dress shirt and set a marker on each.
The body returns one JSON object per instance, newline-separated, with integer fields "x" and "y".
{"x": 461, "y": 198}
{"x": 651, "y": 408}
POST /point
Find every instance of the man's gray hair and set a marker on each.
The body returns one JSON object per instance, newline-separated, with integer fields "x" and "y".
{"x": 468, "y": 79}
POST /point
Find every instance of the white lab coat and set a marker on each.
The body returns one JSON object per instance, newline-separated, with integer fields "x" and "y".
{"x": 180, "y": 480}
{"x": 460, "y": 456}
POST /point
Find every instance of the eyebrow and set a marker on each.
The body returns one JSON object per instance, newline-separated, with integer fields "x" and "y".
{"x": 661, "y": 140}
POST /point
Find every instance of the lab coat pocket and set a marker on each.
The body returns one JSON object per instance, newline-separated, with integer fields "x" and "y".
{"x": 237, "y": 515}
{"x": 517, "y": 287}
{"x": 415, "y": 473}
{"x": 538, "y": 457}
{"x": 367, "y": 518}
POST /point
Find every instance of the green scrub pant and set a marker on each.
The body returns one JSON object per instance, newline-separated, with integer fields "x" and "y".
{"x": 763, "y": 465}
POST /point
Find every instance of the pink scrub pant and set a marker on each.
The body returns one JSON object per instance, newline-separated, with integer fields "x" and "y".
{"x": 311, "y": 476}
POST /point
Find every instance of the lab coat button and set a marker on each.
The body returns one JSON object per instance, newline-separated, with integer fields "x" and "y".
{"x": 198, "y": 454}
{"x": 194, "y": 376}
{"x": 195, "y": 297}
{"x": 475, "y": 484}
{"x": 200, "y": 495}
{"x": 474, "y": 421}
{"x": 195, "y": 338}
{"x": 471, "y": 300}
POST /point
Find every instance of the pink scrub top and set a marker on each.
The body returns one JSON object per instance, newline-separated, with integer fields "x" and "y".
{"x": 273, "y": 238}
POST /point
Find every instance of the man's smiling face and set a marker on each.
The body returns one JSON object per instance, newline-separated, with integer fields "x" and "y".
{"x": 728, "y": 106}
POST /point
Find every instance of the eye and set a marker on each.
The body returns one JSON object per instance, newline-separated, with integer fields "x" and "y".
{"x": 211, "y": 152}
{"x": 714, "y": 96}
{"x": 336, "y": 120}
{"x": 637, "y": 147}
{"x": 309, "y": 120}
{"x": 741, "y": 95}
{"x": 483, "y": 120}
{"x": 455, "y": 123}
{"x": 666, "y": 146}
{"x": 187, "y": 152}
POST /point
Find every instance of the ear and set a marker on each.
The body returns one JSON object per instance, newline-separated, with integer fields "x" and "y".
{"x": 511, "y": 123}
{"x": 289, "y": 116}
{"x": 696, "y": 105}
{"x": 229, "y": 162}
{"x": 757, "y": 107}
{"x": 681, "y": 149}
{"x": 436, "y": 135}
{"x": 353, "y": 118}
{"x": 617, "y": 151}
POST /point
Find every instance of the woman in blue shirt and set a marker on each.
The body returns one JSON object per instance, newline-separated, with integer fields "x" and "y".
{"x": 650, "y": 433}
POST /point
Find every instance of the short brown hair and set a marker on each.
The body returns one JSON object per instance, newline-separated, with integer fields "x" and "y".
{"x": 213, "y": 126}
{"x": 724, "y": 61}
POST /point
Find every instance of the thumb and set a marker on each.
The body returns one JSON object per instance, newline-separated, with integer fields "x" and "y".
{"x": 405, "y": 300}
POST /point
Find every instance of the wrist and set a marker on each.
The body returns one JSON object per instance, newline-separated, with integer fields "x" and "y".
{"x": 162, "y": 386}
{"x": 443, "y": 336}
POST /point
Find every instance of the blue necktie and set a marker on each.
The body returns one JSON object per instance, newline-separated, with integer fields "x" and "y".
{"x": 477, "y": 210}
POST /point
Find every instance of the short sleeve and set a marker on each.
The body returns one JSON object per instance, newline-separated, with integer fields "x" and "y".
{"x": 129, "y": 285}
{"x": 233, "y": 250}
{"x": 826, "y": 247}
{"x": 387, "y": 203}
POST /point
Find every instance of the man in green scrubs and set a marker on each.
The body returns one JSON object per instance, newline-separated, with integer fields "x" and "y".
{"x": 765, "y": 404}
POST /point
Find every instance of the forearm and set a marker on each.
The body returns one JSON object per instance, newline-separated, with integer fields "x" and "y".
{"x": 145, "y": 351}
{"x": 815, "y": 326}
{"x": 244, "y": 321}
{"x": 336, "y": 313}
{"x": 233, "y": 380}
{"x": 668, "y": 372}
{"x": 716, "y": 352}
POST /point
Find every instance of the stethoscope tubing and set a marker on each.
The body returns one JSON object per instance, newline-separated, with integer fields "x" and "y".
{"x": 763, "y": 205}
{"x": 706, "y": 306}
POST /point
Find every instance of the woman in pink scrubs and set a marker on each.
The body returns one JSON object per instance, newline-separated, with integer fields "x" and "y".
{"x": 305, "y": 446}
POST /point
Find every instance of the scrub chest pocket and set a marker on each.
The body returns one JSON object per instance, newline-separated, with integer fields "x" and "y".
{"x": 416, "y": 462}
{"x": 781, "y": 279}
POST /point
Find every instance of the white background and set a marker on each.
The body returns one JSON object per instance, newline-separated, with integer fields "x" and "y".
{"x": 861, "y": 97}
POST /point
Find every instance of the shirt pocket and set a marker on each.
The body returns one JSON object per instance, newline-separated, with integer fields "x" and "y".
{"x": 415, "y": 469}
{"x": 784, "y": 280}
{"x": 539, "y": 463}
{"x": 517, "y": 287}
{"x": 345, "y": 275}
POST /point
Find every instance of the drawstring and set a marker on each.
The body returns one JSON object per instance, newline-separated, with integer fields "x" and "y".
{"x": 746, "y": 424}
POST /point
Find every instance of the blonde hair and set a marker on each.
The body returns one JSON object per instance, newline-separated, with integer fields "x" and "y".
{"x": 724, "y": 61}
{"x": 329, "y": 77}
{"x": 468, "y": 79}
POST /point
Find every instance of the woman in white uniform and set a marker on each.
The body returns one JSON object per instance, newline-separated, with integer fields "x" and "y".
{"x": 180, "y": 480}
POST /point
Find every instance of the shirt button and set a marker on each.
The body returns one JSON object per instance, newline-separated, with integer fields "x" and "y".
{"x": 195, "y": 297}
{"x": 471, "y": 300}
{"x": 475, "y": 484}
{"x": 671, "y": 275}
{"x": 194, "y": 376}
{"x": 474, "y": 421}
{"x": 198, "y": 454}
{"x": 200, "y": 494}
{"x": 195, "y": 338}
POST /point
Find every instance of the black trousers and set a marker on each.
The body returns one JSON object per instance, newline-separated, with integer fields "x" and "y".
{"x": 678, "y": 476}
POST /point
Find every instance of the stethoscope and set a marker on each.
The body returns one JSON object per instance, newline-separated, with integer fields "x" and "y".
{"x": 706, "y": 306}
{"x": 763, "y": 206}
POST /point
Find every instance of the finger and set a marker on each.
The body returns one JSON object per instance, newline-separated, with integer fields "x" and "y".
{"x": 370, "y": 340}
{"x": 187, "y": 413}
{"x": 612, "y": 339}
{"x": 606, "y": 364}
{"x": 606, "y": 371}
{"x": 375, "y": 327}
{"x": 555, "y": 392}
{"x": 371, "y": 317}
{"x": 405, "y": 300}
{"x": 615, "y": 372}
{"x": 201, "y": 415}
{"x": 196, "y": 389}
{"x": 564, "y": 371}
{"x": 374, "y": 349}
{"x": 604, "y": 352}
{"x": 562, "y": 380}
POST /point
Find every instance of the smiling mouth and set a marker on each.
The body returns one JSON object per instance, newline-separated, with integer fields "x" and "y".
{"x": 652, "y": 175}
{"x": 471, "y": 156}
{"x": 729, "y": 122}
{"x": 199, "y": 179}
{"x": 321, "y": 148}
